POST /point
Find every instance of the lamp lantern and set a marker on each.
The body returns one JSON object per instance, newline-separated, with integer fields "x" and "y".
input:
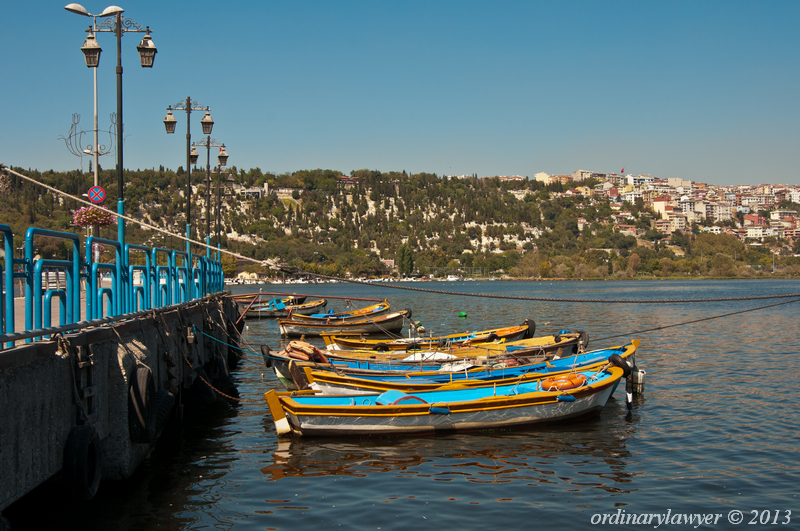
{"x": 207, "y": 123}
{"x": 223, "y": 156}
{"x": 170, "y": 122}
{"x": 147, "y": 50}
{"x": 91, "y": 50}
{"x": 193, "y": 155}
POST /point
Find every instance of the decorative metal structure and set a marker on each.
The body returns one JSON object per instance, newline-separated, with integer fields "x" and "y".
{"x": 207, "y": 124}
{"x": 75, "y": 145}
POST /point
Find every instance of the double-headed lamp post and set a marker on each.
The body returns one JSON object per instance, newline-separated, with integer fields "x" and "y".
{"x": 222, "y": 158}
{"x": 207, "y": 123}
{"x": 91, "y": 51}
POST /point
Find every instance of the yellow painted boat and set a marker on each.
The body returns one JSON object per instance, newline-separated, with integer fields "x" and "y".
{"x": 335, "y": 341}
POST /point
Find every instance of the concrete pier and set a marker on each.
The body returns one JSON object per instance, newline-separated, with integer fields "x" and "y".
{"x": 89, "y": 405}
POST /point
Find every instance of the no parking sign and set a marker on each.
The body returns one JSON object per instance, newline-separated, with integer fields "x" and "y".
{"x": 97, "y": 194}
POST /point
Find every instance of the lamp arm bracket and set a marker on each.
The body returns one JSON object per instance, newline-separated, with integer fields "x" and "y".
{"x": 128, "y": 25}
{"x": 181, "y": 106}
{"x": 204, "y": 143}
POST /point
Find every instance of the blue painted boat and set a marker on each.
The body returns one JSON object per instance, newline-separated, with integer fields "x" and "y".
{"x": 526, "y": 402}
{"x": 327, "y": 381}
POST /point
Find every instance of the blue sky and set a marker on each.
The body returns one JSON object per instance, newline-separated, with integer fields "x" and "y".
{"x": 701, "y": 90}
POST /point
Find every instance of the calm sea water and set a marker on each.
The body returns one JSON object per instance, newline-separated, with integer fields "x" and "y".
{"x": 714, "y": 432}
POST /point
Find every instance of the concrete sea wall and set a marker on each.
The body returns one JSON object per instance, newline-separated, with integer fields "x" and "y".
{"x": 89, "y": 405}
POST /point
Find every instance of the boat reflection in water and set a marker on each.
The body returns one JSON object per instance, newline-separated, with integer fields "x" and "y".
{"x": 585, "y": 453}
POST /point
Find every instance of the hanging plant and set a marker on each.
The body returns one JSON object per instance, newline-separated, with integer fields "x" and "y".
{"x": 92, "y": 216}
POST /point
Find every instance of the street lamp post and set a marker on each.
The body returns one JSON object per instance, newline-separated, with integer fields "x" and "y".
{"x": 147, "y": 53}
{"x": 222, "y": 160}
{"x": 207, "y": 123}
{"x": 91, "y": 50}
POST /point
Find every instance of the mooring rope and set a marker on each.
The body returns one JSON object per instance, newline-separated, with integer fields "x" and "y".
{"x": 693, "y": 321}
{"x": 554, "y": 299}
{"x": 4, "y": 171}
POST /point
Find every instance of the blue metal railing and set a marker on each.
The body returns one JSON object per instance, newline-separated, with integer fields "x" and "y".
{"x": 179, "y": 278}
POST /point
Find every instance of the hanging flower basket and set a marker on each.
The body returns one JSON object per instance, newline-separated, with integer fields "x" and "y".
{"x": 92, "y": 217}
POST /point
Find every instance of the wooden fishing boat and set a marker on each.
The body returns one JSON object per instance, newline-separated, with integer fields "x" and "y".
{"x": 351, "y": 315}
{"x": 306, "y": 367}
{"x": 335, "y": 341}
{"x": 327, "y": 381}
{"x": 545, "y": 399}
{"x": 497, "y": 354}
{"x": 246, "y": 299}
{"x": 380, "y": 324}
{"x": 277, "y": 308}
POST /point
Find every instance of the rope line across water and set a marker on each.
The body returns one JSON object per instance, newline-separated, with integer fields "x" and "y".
{"x": 554, "y": 299}
{"x": 697, "y": 320}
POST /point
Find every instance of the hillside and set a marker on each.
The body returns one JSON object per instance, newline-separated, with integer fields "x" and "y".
{"x": 329, "y": 223}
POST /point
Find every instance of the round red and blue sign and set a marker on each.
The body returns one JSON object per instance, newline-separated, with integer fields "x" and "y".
{"x": 97, "y": 194}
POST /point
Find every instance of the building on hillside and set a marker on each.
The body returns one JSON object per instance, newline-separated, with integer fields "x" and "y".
{"x": 687, "y": 206}
{"x": 755, "y": 232}
{"x": 632, "y": 195}
{"x": 664, "y": 226}
{"x": 678, "y": 221}
{"x": 660, "y": 204}
{"x": 347, "y": 182}
{"x": 677, "y": 182}
{"x": 627, "y": 230}
{"x": 719, "y": 211}
{"x": 754, "y": 220}
{"x": 581, "y": 175}
{"x": 781, "y": 214}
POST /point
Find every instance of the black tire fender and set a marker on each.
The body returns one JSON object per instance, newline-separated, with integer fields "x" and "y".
{"x": 492, "y": 337}
{"x": 619, "y": 361}
{"x": 381, "y": 347}
{"x": 583, "y": 339}
{"x": 408, "y": 313}
{"x": 412, "y": 346}
{"x": 222, "y": 374}
{"x": 234, "y": 356}
{"x": 141, "y": 405}
{"x": 531, "y": 328}
{"x": 164, "y": 403}
{"x": 82, "y": 463}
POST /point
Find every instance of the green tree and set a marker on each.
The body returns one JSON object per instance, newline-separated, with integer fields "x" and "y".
{"x": 228, "y": 265}
{"x": 405, "y": 259}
